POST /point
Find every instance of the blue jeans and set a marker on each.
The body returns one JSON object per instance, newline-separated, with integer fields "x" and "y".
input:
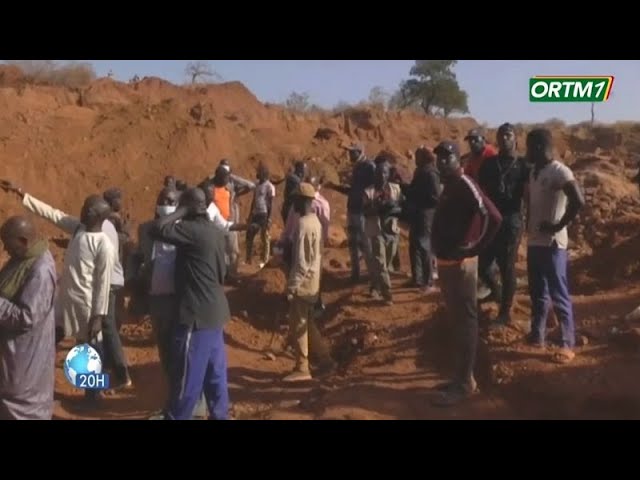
{"x": 199, "y": 363}
{"x": 547, "y": 270}
{"x": 164, "y": 312}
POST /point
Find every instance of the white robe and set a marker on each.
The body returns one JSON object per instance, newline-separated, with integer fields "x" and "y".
{"x": 85, "y": 282}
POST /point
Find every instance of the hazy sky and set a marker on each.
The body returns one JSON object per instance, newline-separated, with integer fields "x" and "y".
{"x": 498, "y": 89}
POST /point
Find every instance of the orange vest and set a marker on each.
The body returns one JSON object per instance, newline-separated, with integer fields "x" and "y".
{"x": 222, "y": 198}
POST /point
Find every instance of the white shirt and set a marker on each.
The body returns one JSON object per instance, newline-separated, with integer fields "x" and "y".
{"x": 70, "y": 224}
{"x": 85, "y": 282}
{"x": 218, "y": 220}
{"x": 548, "y": 202}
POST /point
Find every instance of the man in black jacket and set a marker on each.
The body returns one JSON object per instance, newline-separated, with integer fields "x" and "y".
{"x": 503, "y": 179}
{"x": 422, "y": 199}
{"x": 198, "y": 355}
{"x": 362, "y": 177}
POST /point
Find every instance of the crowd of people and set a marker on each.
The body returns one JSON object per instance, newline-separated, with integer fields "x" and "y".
{"x": 465, "y": 216}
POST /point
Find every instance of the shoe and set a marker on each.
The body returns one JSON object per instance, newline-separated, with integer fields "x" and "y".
{"x": 297, "y": 377}
{"x": 633, "y": 316}
{"x": 375, "y": 295}
{"x": 452, "y": 394}
{"x": 428, "y": 290}
{"x": 483, "y": 293}
{"x": 159, "y": 415}
{"x": 122, "y": 384}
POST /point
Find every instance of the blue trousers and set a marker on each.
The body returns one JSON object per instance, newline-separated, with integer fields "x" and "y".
{"x": 547, "y": 271}
{"x": 199, "y": 364}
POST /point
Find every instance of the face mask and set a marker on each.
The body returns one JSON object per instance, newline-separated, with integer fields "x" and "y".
{"x": 164, "y": 210}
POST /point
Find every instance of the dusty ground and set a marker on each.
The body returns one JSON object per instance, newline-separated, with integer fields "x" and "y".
{"x": 391, "y": 358}
{"x": 63, "y": 144}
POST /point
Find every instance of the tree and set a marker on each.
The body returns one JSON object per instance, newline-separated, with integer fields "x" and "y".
{"x": 379, "y": 97}
{"x": 434, "y": 87}
{"x": 199, "y": 69}
{"x": 298, "y": 102}
{"x": 49, "y": 72}
{"x": 341, "y": 106}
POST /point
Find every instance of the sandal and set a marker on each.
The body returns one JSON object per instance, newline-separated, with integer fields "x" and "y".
{"x": 564, "y": 356}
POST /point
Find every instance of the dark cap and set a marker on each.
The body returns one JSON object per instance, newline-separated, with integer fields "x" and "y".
{"x": 506, "y": 127}
{"x": 474, "y": 133}
{"x": 447, "y": 147}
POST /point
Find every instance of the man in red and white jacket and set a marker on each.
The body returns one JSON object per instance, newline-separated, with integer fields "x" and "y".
{"x": 464, "y": 223}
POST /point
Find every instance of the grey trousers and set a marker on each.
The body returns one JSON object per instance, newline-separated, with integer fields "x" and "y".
{"x": 358, "y": 243}
{"x": 459, "y": 283}
{"x": 382, "y": 252}
{"x": 112, "y": 344}
{"x": 232, "y": 251}
{"x": 164, "y": 311}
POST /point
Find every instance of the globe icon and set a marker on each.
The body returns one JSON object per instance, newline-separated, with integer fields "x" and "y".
{"x": 81, "y": 359}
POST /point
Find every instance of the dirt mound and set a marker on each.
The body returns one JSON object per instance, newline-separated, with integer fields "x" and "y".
{"x": 261, "y": 299}
{"x": 10, "y": 75}
{"x": 62, "y": 144}
{"x": 610, "y": 198}
{"x": 605, "y": 233}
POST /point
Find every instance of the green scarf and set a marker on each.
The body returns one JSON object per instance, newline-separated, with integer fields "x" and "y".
{"x": 14, "y": 273}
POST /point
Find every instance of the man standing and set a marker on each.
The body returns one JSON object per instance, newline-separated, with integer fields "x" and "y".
{"x": 27, "y": 324}
{"x": 381, "y": 207}
{"x": 422, "y": 199}
{"x": 480, "y": 150}
{"x": 465, "y": 221}
{"x": 362, "y": 177}
{"x": 83, "y": 301}
{"x": 503, "y": 178}
{"x": 199, "y": 359}
{"x": 260, "y": 215}
{"x": 158, "y": 274}
{"x": 113, "y": 197}
{"x": 292, "y": 183}
{"x": 322, "y": 209}
{"x": 113, "y": 353}
{"x": 554, "y": 201}
{"x": 303, "y": 288}
{"x": 223, "y": 190}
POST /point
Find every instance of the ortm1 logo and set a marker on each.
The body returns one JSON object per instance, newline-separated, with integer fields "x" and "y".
{"x": 570, "y": 89}
{"x": 83, "y": 368}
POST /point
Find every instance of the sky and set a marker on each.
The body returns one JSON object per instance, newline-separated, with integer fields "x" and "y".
{"x": 498, "y": 89}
